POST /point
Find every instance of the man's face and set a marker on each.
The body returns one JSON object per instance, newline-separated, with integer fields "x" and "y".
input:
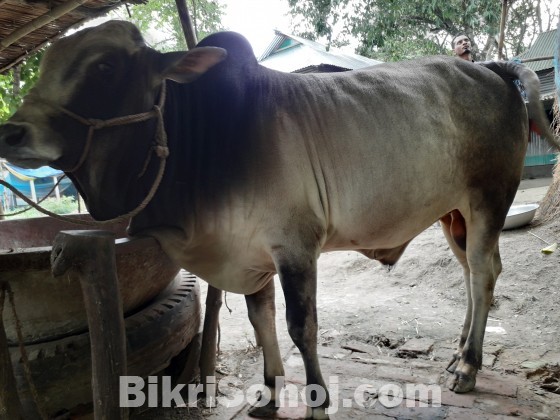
{"x": 462, "y": 45}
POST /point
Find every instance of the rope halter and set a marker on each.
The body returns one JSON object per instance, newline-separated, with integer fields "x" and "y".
{"x": 159, "y": 148}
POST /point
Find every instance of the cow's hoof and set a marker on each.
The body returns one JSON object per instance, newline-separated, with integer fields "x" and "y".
{"x": 461, "y": 383}
{"x": 452, "y": 364}
{"x": 267, "y": 411}
{"x": 316, "y": 413}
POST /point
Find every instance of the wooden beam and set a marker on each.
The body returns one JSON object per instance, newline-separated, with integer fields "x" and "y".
{"x": 528, "y": 60}
{"x": 186, "y": 23}
{"x": 41, "y": 21}
{"x": 502, "y": 29}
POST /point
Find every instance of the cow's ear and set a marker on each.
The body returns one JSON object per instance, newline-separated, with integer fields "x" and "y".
{"x": 186, "y": 66}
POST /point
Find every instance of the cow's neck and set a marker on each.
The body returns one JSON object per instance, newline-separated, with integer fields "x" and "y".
{"x": 212, "y": 135}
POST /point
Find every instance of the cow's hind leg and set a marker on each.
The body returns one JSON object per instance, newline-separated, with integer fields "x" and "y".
{"x": 262, "y": 314}
{"x": 454, "y": 229}
{"x": 298, "y": 275}
{"x": 483, "y": 259}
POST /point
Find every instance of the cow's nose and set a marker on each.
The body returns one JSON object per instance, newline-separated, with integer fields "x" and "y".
{"x": 12, "y": 135}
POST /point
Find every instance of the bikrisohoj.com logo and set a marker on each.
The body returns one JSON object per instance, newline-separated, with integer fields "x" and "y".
{"x": 158, "y": 391}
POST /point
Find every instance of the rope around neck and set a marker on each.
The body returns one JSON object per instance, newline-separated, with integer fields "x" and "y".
{"x": 159, "y": 148}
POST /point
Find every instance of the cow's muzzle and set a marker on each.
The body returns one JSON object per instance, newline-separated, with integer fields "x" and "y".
{"x": 16, "y": 145}
{"x": 12, "y": 135}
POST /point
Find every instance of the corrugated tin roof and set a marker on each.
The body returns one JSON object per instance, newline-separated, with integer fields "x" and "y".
{"x": 290, "y": 53}
{"x": 544, "y": 46}
{"x": 548, "y": 87}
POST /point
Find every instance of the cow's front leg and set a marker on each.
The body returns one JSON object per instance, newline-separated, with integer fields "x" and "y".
{"x": 299, "y": 283}
{"x": 262, "y": 314}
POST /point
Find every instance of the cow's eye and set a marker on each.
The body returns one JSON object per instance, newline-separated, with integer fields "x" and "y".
{"x": 106, "y": 68}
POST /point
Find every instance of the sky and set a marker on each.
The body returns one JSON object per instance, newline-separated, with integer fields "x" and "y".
{"x": 256, "y": 20}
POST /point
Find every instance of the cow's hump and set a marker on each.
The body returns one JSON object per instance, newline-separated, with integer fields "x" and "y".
{"x": 236, "y": 45}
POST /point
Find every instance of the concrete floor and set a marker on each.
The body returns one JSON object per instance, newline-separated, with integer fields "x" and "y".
{"x": 532, "y": 190}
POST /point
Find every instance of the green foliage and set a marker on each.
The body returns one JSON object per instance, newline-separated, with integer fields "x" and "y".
{"x": 393, "y": 30}
{"x": 161, "y": 16}
{"x": 65, "y": 205}
{"x": 15, "y": 84}
{"x": 321, "y": 19}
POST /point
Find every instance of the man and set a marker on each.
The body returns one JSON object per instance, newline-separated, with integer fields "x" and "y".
{"x": 462, "y": 47}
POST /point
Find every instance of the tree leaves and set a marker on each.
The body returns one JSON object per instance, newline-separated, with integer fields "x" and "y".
{"x": 399, "y": 29}
{"x": 162, "y": 16}
{"x": 15, "y": 84}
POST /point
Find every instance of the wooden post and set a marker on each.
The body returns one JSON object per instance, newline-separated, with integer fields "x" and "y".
{"x": 502, "y": 29}
{"x": 186, "y": 23}
{"x": 90, "y": 254}
{"x": 210, "y": 339}
{"x": 56, "y": 189}
{"x": 10, "y": 405}
{"x": 557, "y": 64}
{"x": 33, "y": 192}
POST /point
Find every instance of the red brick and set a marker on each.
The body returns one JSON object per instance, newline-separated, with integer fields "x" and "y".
{"x": 451, "y": 398}
{"x": 416, "y": 346}
{"x": 492, "y": 383}
{"x": 495, "y": 404}
{"x": 459, "y": 413}
{"x": 407, "y": 375}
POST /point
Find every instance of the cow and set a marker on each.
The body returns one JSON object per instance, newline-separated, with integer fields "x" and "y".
{"x": 265, "y": 170}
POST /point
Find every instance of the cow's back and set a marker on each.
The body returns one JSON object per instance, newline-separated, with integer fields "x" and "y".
{"x": 375, "y": 146}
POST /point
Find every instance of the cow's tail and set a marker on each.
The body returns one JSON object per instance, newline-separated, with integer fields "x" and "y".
{"x": 509, "y": 70}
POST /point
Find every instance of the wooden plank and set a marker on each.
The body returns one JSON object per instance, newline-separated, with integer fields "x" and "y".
{"x": 10, "y": 405}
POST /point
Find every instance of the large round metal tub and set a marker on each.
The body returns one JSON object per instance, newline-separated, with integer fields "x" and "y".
{"x": 50, "y": 308}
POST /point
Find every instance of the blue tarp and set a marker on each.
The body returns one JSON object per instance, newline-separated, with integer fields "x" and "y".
{"x": 28, "y": 174}
{"x": 20, "y": 178}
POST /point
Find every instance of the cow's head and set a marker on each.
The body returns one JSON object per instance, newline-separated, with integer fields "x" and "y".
{"x": 98, "y": 73}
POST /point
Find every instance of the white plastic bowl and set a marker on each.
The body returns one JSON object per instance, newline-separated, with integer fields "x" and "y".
{"x": 520, "y": 215}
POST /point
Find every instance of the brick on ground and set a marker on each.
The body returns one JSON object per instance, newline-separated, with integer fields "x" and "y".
{"x": 493, "y": 383}
{"x": 416, "y": 346}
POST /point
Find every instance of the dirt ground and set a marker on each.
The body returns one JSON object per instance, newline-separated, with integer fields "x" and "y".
{"x": 366, "y": 312}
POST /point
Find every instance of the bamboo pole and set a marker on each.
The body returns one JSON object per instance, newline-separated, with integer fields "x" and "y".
{"x": 186, "y": 23}
{"x": 41, "y": 21}
{"x": 528, "y": 60}
{"x": 90, "y": 254}
{"x": 502, "y": 29}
